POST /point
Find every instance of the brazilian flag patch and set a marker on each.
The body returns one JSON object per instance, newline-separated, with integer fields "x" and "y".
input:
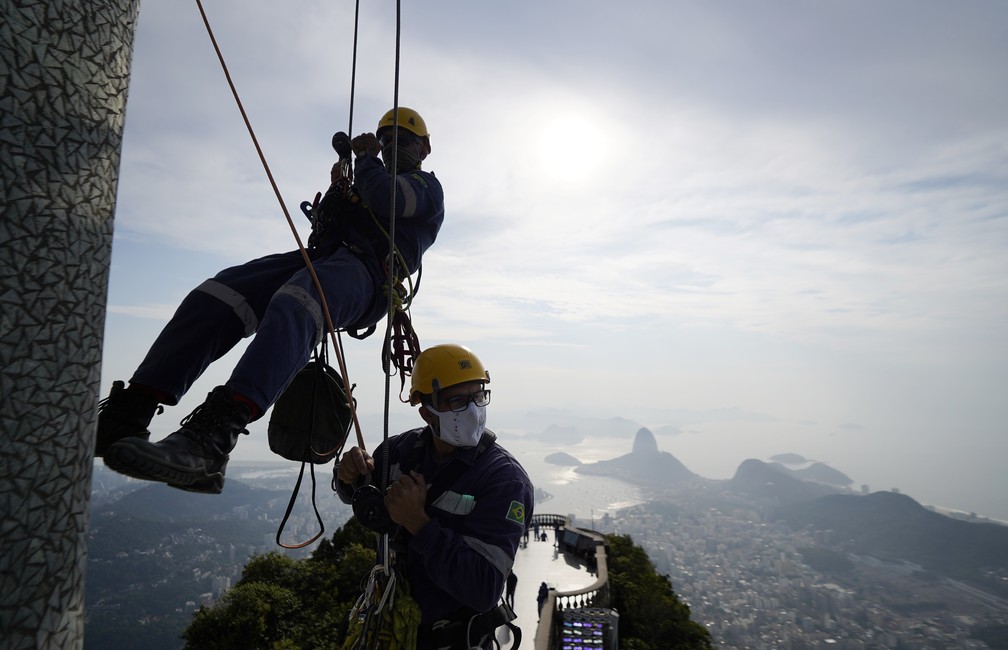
{"x": 516, "y": 512}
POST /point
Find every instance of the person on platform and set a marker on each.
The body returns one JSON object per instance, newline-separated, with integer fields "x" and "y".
{"x": 512, "y": 584}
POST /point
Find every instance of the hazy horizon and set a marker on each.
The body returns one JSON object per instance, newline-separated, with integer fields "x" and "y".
{"x": 707, "y": 457}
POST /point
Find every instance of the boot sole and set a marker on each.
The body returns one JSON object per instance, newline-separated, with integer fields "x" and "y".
{"x": 127, "y": 460}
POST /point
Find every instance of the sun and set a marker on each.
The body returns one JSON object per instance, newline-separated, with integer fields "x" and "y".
{"x": 573, "y": 149}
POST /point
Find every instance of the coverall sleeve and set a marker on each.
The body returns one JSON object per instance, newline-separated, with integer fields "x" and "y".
{"x": 418, "y": 193}
{"x": 473, "y": 563}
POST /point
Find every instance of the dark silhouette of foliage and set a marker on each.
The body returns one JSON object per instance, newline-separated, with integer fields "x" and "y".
{"x": 252, "y": 615}
{"x": 351, "y": 533}
{"x": 651, "y": 615}
{"x": 282, "y": 603}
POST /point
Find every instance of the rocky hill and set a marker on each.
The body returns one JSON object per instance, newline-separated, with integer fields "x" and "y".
{"x": 562, "y": 458}
{"x": 644, "y": 465}
{"x": 817, "y": 473}
{"x": 891, "y": 525}
{"x": 770, "y": 481}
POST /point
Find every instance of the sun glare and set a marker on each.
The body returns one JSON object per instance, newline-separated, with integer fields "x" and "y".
{"x": 572, "y": 149}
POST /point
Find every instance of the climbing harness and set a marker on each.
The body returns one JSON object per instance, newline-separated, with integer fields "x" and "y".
{"x": 466, "y": 629}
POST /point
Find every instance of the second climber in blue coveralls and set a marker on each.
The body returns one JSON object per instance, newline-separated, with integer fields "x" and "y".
{"x": 275, "y": 298}
{"x": 461, "y": 501}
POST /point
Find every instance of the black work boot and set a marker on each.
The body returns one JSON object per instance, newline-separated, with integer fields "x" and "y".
{"x": 124, "y": 414}
{"x": 194, "y": 457}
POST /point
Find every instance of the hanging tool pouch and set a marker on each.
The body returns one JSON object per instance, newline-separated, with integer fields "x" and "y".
{"x": 310, "y": 424}
{"x": 312, "y": 418}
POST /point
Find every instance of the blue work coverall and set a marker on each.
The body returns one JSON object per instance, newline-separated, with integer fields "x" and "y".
{"x": 275, "y": 298}
{"x": 458, "y": 563}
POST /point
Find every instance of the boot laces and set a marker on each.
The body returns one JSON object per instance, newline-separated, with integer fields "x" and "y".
{"x": 218, "y": 413}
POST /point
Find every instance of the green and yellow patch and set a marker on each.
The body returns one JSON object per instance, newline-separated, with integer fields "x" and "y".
{"x": 516, "y": 512}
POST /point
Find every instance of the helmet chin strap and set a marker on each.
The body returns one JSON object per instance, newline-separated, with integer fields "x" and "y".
{"x": 435, "y": 389}
{"x": 436, "y": 424}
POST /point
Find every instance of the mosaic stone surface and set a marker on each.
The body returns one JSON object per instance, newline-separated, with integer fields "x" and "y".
{"x": 64, "y": 72}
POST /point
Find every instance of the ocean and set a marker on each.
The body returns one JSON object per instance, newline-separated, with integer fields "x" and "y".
{"x": 571, "y": 493}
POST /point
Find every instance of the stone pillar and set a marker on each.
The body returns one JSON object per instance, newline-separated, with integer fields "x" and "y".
{"x": 64, "y": 71}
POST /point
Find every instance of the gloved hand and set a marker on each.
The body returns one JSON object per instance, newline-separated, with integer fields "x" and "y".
{"x": 366, "y": 144}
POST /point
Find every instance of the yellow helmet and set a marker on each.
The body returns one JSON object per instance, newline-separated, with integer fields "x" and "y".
{"x": 408, "y": 119}
{"x": 442, "y": 366}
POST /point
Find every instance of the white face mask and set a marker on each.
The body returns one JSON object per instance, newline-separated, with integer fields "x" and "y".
{"x": 462, "y": 428}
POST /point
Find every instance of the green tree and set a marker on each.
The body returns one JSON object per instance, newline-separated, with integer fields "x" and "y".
{"x": 252, "y": 615}
{"x": 282, "y": 603}
{"x": 651, "y": 615}
{"x": 351, "y": 533}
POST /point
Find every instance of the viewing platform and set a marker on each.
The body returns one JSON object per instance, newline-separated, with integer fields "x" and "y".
{"x": 576, "y": 612}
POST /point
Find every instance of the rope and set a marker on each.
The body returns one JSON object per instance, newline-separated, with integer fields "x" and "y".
{"x": 331, "y": 329}
{"x": 353, "y": 68}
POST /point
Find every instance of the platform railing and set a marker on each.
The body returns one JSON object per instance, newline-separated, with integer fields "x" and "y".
{"x": 596, "y": 594}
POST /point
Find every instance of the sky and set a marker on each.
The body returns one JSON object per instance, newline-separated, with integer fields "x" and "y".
{"x": 754, "y": 228}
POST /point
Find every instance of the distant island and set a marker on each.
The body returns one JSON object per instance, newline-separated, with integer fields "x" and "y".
{"x": 562, "y": 458}
{"x": 568, "y": 436}
{"x": 817, "y": 473}
{"x": 790, "y": 459}
{"x": 644, "y": 465}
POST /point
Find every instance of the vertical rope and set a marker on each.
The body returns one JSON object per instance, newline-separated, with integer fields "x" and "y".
{"x": 390, "y": 273}
{"x": 353, "y": 68}
{"x": 337, "y": 339}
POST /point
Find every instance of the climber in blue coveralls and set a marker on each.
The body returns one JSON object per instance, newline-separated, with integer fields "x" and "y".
{"x": 275, "y": 298}
{"x": 461, "y": 502}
